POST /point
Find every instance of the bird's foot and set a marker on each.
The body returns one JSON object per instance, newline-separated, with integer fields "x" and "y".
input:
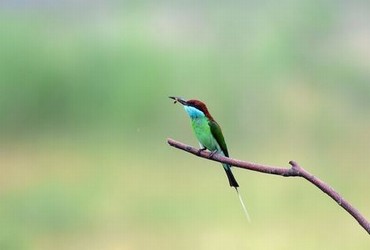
{"x": 212, "y": 154}
{"x": 201, "y": 150}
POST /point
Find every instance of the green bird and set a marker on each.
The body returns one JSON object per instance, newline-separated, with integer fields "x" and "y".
{"x": 209, "y": 135}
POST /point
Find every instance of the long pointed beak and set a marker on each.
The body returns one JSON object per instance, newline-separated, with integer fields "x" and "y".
{"x": 178, "y": 99}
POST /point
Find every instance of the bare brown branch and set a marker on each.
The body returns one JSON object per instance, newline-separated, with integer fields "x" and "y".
{"x": 294, "y": 171}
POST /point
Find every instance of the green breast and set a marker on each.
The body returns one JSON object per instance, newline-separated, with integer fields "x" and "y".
{"x": 203, "y": 133}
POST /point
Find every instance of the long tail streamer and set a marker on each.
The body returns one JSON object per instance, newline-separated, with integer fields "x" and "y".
{"x": 242, "y": 203}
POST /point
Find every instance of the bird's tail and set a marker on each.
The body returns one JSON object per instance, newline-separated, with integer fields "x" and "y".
{"x": 230, "y": 176}
{"x": 234, "y": 183}
{"x": 243, "y": 205}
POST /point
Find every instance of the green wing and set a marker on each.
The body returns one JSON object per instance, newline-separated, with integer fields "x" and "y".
{"x": 217, "y": 134}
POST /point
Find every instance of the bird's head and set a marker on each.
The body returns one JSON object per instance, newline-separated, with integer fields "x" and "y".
{"x": 194, "y": 108}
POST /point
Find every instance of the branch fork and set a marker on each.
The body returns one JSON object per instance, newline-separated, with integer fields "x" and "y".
{"x": 294, "y": 171}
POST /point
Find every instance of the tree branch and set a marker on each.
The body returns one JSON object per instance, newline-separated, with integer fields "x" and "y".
{"x": 294, "y": 171}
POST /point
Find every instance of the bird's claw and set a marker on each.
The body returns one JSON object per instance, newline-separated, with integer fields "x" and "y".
{"x": 212, "y": 154}
{"x": 201, "y": 150}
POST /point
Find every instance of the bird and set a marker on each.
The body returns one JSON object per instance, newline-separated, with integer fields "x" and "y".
{"x": 209, "y": 135}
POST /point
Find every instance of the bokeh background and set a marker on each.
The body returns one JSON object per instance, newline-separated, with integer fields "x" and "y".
{"x": 84, "y": 118}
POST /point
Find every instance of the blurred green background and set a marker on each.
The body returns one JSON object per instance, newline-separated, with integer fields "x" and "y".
{"x": 84, "y": 118}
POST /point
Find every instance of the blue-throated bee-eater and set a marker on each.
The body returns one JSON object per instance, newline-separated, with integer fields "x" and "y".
{"x": 209, "y": 135}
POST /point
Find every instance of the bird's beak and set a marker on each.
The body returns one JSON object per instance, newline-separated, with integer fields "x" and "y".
{"x": 178, "y": 99}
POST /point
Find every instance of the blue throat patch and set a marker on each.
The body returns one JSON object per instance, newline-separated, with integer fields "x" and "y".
{"x": 193, "y": 112}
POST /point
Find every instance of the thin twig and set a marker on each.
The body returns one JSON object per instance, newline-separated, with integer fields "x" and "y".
{"x": 294, "y": 171}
